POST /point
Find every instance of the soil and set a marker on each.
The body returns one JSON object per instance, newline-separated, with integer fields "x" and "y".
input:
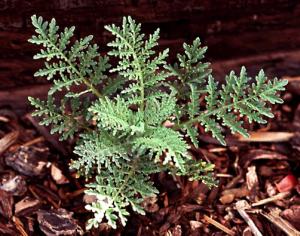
{"x": 258, "y": 191}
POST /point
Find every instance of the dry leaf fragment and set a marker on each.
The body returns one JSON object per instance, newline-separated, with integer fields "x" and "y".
{"x": 150, "y": 204}
{"x": 252, "y": 180}
{"x": 226, "y": 199}
{"x": 89, "y": 198}
{"x": 177, "y": 231}
{"x": 58, "y": 176}
{"x": 238, "y": 192}
{"x": 267, "y": 137}
{"x": 168, "y": 124}
{"x": 229, "y": 195}
{"x": 287, "y": 183}
{"x": 195, "y": 225}
{"x": 292, "y": 215}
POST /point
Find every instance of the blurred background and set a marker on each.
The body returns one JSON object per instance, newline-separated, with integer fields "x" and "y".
{"x": 255, "y": 33}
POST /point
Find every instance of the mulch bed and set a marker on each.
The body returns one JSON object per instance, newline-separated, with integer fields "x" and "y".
{"x": 258, "y": 191}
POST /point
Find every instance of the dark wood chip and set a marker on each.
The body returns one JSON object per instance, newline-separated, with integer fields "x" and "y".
{"x": 7, "y": 229}
{"x": 28, "y": 161}
{"x": 57, "y": 222}
{"x": 27, "y": 206}
{"x": 292, "y": 215}
{"x": 44, "y": 193}
{"x": 6, "y": 204}
{"x": 53, "y": 139}
{"x": 296, "y": 121}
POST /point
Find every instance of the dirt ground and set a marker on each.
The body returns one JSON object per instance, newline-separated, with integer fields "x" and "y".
{"x": 258, "y": 191}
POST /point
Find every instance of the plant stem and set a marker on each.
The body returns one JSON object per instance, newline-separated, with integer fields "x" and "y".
{"x": 216, "y": 111}
{"x": 140, "y": 73}
{"x": 85, "y": 81}
{"x": 126, "y": 180}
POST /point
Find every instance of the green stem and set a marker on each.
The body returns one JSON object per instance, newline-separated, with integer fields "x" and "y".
{"x": 126, "y": 180}
{"x": 85, "y": 81}
{"x": 216, "y": 111}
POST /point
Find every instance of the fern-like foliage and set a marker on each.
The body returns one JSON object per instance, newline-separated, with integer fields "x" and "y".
{"x": 66, "y": 119}
{"x": 238, "y": 96}
{"x": 138, "y": 61}
{"x": 190, "y": 71}
{"x": 74, "y": 64}
{"x": 159, "y": 140}
{"x": 97, "y": 151}
{"x": 118, "y": 114}
{"x": 119, "y": 187}
{"x": 115, "y": 116}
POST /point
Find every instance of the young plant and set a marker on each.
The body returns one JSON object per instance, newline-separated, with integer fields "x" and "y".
{"x": 120, "y": 112}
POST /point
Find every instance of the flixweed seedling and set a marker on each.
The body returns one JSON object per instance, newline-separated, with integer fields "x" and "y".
{"x": 119, "y": 117}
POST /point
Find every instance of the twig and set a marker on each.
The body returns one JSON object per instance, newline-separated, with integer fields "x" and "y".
{"x": 4, "y": 119}
{"x": 76, "y": 193}
{"x": 44, "y": 199}
{"x": 34, "y": 141}
{"x": 218, "y": 149}
{"x": 241, "y": 206}
{"x": 276, "y": 197}
{"x": 19, "y": 226}
{"x": 292, "y": 79}
{"x": 218, "y": 225}
{"x": 46, "y": 134}
{"x": 221, "y": 175}
{"x": 8, "y": 140}
{"x": 285, "y": 226}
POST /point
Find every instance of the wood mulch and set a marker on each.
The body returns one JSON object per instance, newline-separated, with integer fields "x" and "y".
{"x": 258, "y": 191}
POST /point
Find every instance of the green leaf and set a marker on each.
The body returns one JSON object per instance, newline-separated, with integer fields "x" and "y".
{"x": 67, "y": 64}
{"x": 194, "y": 104}
{"x": 212, "y": 126}
{"x": 160, "y": 140}
{"x": 160, "y": 109}
{"x": 115, "y": 116}
{"x": 118, "y": 188}
{"x": 192, "y": 133}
